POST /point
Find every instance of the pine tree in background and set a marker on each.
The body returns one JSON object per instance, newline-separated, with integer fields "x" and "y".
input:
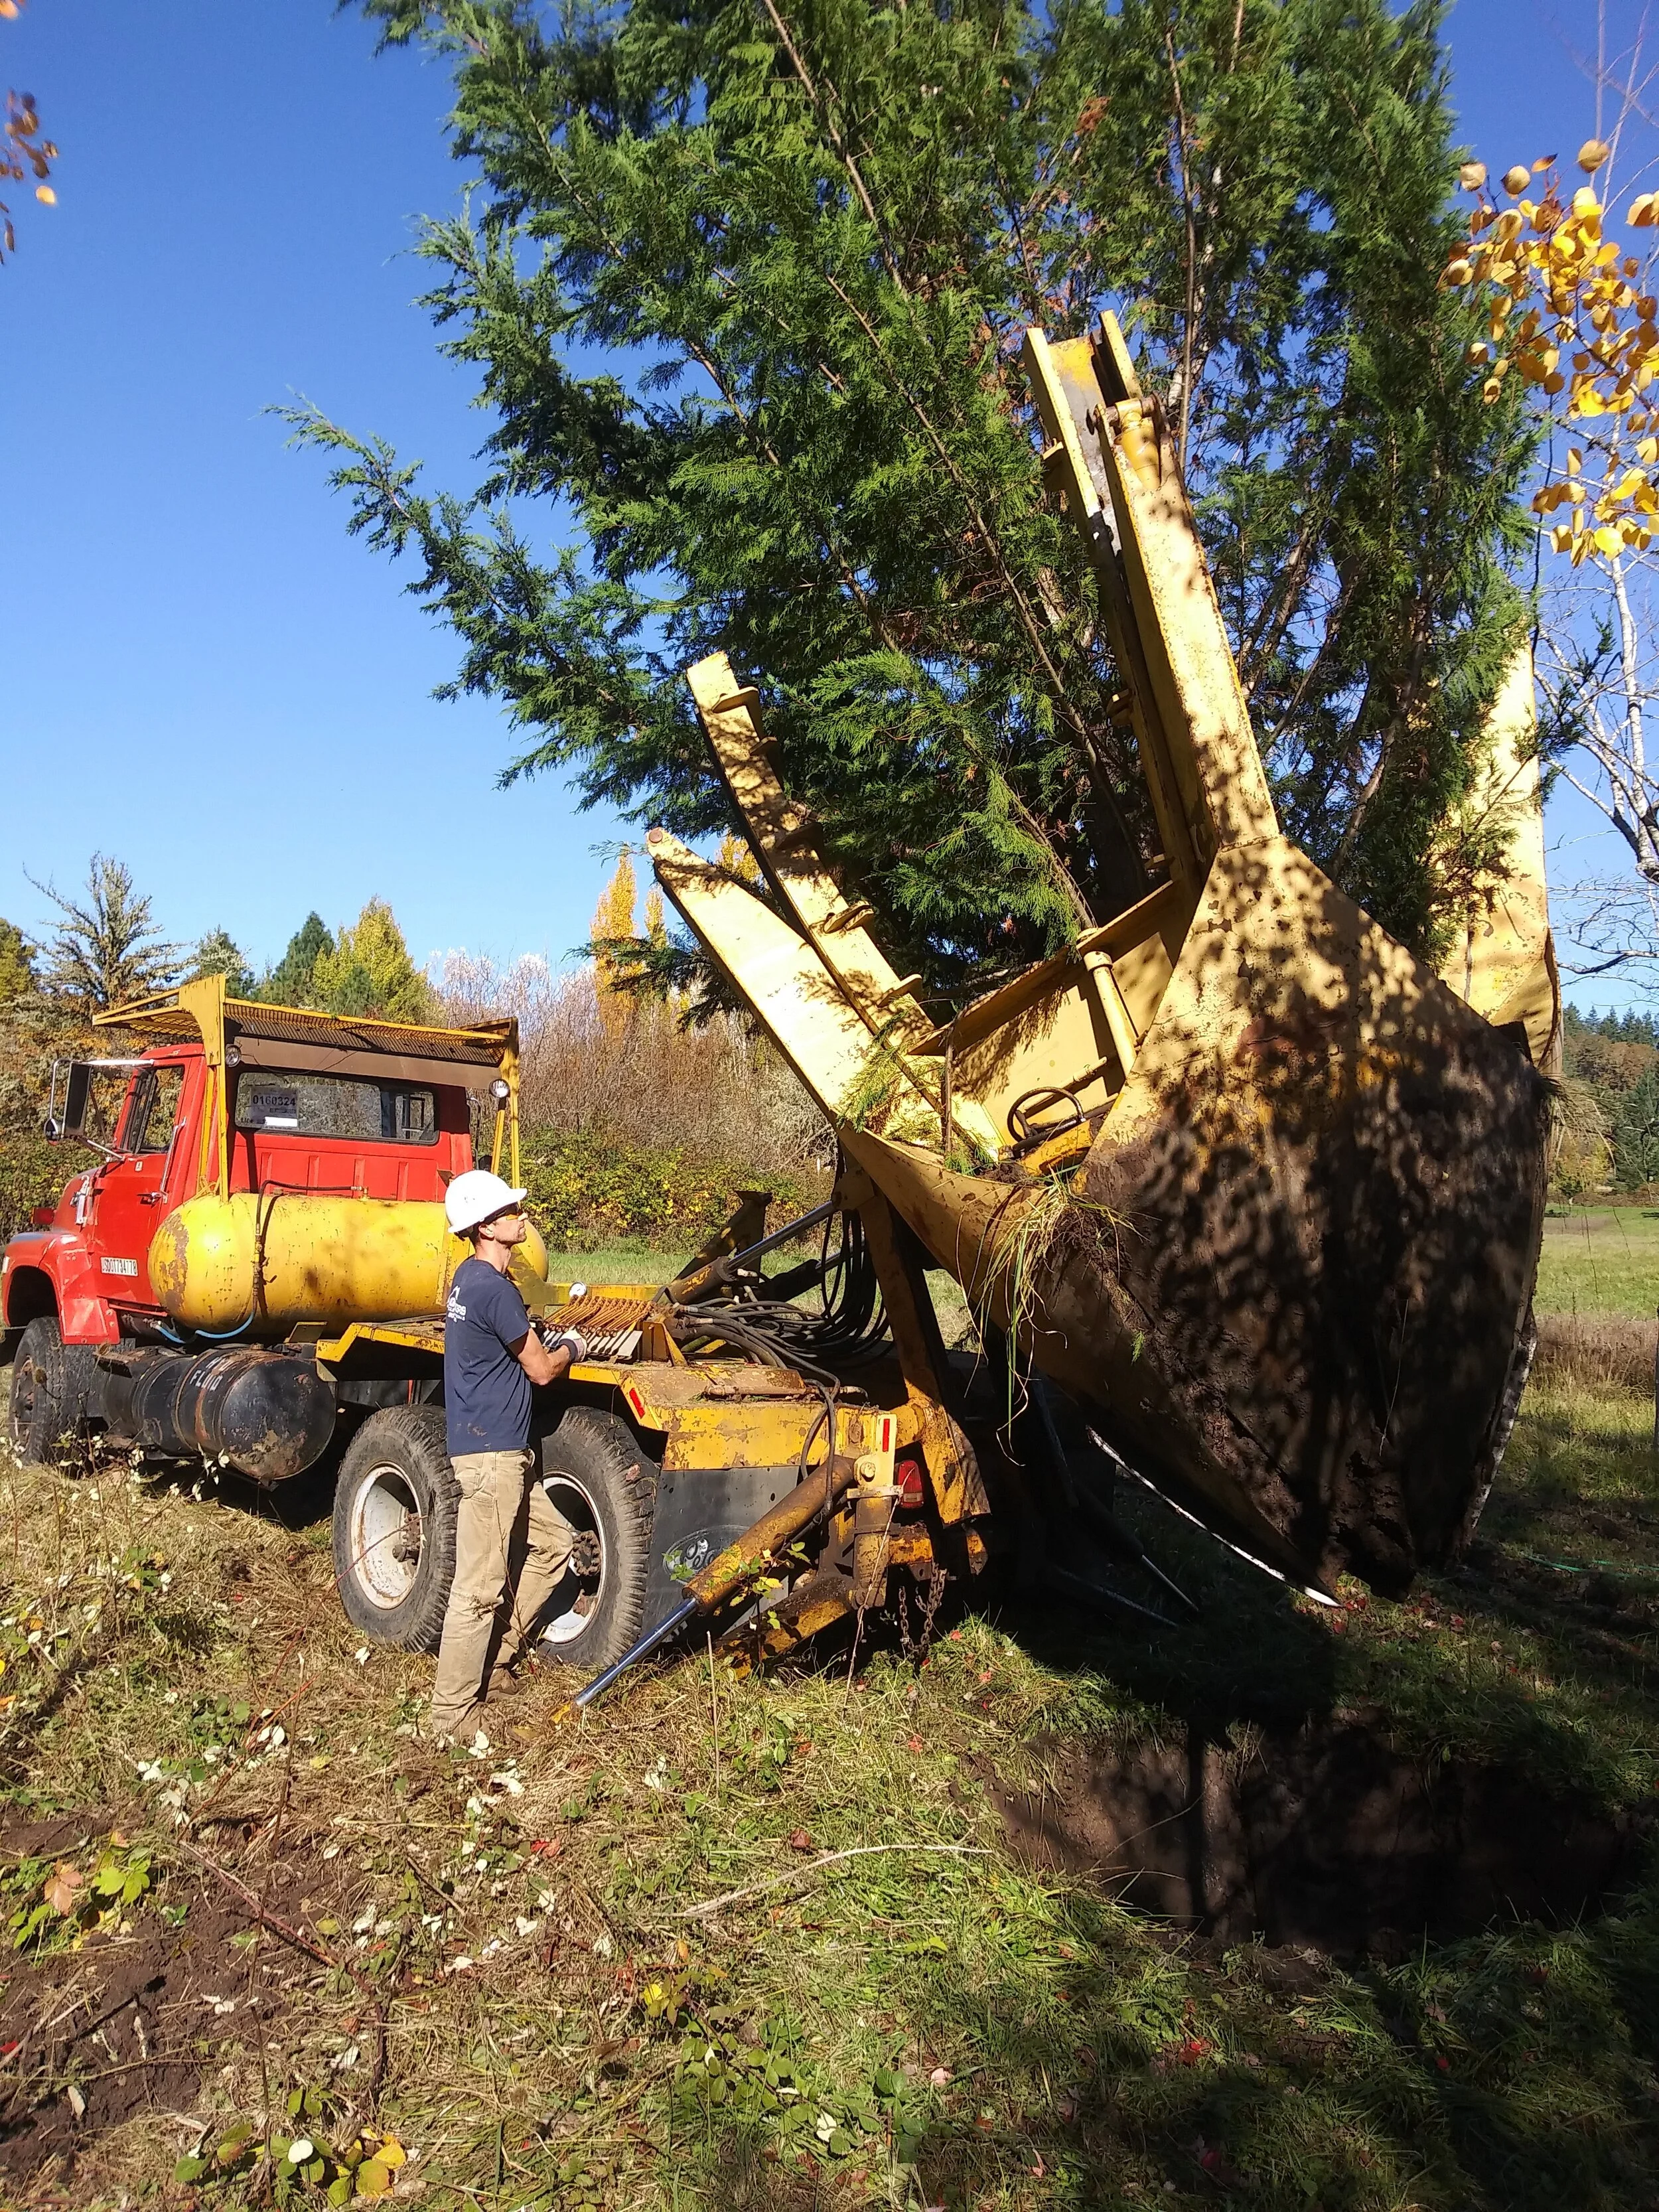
{"x": 106, "y": 948}
{"x": 804, "y": 242}
{"x": 1635, "y": 1131}
{"x": 289, "y": 982}
{"x": 219, "y": 954}
{"x": 369, "y": 971}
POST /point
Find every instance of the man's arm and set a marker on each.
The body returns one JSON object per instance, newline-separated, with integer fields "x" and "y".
{"x": 545, "y": 1364}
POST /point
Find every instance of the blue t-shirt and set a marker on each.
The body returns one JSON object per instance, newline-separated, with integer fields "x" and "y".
{"x": 486, "y": 1392}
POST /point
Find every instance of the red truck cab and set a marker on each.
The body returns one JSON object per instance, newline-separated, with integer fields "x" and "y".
{"x": 288, "y": 1130}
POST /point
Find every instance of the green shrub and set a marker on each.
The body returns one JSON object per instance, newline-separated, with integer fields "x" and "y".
{"x": 587, "y": 1185}
{"x": 32, "y": 1173}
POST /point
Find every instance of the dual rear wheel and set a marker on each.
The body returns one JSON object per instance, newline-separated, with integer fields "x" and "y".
{"x": 395, "y": 1504}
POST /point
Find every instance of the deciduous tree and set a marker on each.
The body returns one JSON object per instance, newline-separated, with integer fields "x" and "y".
{"x": 16, "y": 961}
{"x": 1569, "y": 307}
{"x": 219, "y": 954}
{"x": 106, "y": 947}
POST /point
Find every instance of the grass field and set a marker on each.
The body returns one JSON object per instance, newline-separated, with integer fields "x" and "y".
{"x": 831, "y": 1938}
{"x": 1600, "y": 1260}
{"x": 504, "y": 1971}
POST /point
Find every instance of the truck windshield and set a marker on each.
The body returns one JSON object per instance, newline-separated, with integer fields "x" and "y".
{"x": 154, "y": 1109}
{"x": 335, "y": 1106}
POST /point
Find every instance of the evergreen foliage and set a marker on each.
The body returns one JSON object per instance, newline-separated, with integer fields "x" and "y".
{"x": 289, "y": 982}
{"x": 369, "y": 971}
{"x": 745, "y": 284}
{"x": 1635, "y": 1131}
{"x": 365, "y": 969}
{"x": 1628, "y": 1028}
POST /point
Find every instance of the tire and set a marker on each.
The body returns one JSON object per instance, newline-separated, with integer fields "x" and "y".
{"x": 49, "y": 1384}
{"x": 605, "y": 1486}
{"x": 394, "y": 1527}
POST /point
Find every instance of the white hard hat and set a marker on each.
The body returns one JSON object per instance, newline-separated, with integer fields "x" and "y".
{"x": 474, "y": 1196}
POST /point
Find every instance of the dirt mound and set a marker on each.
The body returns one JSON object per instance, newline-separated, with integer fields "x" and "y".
{"x": 94, "y": 2033}
{"x": 1326, "y": 1838}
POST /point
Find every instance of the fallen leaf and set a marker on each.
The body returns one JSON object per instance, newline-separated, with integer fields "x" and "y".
{"x": 799, "y": 1840}
{"x": 61, "y": 1886}
{"x": 939, "y": 2076}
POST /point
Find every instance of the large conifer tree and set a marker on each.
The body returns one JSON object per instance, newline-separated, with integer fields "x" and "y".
{"x": 744, "y": 283}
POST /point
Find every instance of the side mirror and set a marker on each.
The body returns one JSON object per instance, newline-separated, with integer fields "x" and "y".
{"x": 67, "y": 1117}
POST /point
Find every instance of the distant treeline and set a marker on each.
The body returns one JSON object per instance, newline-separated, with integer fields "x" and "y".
{"x": 1610, "y": 1064}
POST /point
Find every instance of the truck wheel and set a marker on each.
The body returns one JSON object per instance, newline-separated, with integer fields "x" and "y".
{"x": 606, "y": 1488}
{"x": 49, "y": 1382}
{"x": 394, "y": 1527}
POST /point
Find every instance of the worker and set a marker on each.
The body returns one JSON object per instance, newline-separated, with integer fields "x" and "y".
{"x": 492, "y": 1357}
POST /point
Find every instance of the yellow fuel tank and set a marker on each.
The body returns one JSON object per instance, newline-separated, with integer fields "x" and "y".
{"x": 267, "y": 1261}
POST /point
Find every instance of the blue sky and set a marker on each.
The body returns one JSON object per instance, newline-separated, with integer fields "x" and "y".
{"x": 199, "y": 671}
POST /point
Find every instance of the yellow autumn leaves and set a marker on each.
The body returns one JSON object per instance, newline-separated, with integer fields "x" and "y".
{"x": 1571, "y": 315}
{"x": 23, "y": 151}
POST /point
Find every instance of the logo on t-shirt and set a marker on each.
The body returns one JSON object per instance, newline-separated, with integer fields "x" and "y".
{"x": 454, "y": 1310}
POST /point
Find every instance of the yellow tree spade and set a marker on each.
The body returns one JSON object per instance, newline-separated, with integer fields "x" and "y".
{"x": 1573, "y": 313}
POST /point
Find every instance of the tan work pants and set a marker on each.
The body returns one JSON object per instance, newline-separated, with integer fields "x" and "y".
{"x": 497, "y": 1500}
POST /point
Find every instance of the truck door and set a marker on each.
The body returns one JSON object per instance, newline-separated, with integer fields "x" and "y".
{"x": 132, "y": 1188}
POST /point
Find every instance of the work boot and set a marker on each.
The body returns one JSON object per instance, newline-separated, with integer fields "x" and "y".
{"x": 463, "y": 1730}
{"x": 504, "y": 1683}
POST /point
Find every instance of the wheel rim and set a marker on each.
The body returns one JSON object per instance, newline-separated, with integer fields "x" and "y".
{"x": 385, "y": 1533}
{"x": 581, "y": 1592}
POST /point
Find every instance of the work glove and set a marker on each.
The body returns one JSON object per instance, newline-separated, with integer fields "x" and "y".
{"x": 572, "y": 1340}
